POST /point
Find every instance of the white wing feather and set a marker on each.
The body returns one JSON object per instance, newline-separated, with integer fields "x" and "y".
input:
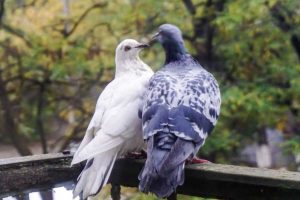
{"x": 95, "y": 123}
{"x": 108, "y": 128}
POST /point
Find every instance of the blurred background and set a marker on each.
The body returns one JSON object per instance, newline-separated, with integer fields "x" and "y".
{"x": 57, "y": 56}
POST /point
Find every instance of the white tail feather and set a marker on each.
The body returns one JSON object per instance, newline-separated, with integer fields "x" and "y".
{"x": 87, "y": 138}
{"x": 96, "y": 176}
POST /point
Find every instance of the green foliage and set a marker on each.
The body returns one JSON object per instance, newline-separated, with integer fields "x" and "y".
{"x": 259, "y": 71}
{"x": 133, "y": 194}
{"x": 292, "y": 145}
{"x": 71, "y": 54}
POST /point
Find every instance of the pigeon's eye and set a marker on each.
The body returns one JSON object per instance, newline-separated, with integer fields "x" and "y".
{"x": 127, "y": 48}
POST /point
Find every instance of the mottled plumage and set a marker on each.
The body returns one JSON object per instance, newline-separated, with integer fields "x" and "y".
{"x": 181, "y": 108}
{"x": 115, "y": 128}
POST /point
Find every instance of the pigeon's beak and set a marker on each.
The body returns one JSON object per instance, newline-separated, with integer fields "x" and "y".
{"x": 154, "y": 38}
{"x": 142, "y": 46}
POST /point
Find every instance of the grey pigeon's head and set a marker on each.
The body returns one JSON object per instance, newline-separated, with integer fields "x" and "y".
{"x": 170, "y": 37}
{"x": 128, "y": 49}
{"x": 168, "y": 33}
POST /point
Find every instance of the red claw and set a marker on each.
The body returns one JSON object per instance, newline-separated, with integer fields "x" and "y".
{"x": 196, "y": 160}
{"x": 137, "y": 155}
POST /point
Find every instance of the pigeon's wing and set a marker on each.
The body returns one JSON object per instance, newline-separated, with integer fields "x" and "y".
{"x": 103, "y": 102}
{"x": 187, "y": 104}
{"x": 156, "y": 102}
{"x": 119, "y": 120}
{"x": 200, "y": 106}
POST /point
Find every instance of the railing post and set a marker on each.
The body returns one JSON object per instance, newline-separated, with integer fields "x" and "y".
{"x": 115, "y": 192}
{"x": 173, "y": 196}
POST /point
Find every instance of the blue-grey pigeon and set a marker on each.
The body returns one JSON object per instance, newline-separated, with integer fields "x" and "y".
{"x": 180, "y": 109}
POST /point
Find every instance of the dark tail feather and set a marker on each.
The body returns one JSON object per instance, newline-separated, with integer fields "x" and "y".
{"x": 164, "y": 168}
{"x": 161, "y": 185}
{"x": 164, "y": 186}
{"x": 149, "y": 171}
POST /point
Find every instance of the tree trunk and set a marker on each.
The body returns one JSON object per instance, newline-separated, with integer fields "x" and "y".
{"x": 1, "y": 10}
{"x": 67, "y": 27}
{"x": 281, "y": 16}
{"x": 39, "y": 118}
{"x": 203, "y": 28}
{"x": 10, "y": 128}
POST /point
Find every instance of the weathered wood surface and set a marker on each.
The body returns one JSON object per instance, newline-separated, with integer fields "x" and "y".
{"x": 206, "y": 180}
{"x": 31, "y": 173}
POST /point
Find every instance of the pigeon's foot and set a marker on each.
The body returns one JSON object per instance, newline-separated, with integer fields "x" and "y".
{"x": 196, "y": 160}
{"x": 137, "y": 155}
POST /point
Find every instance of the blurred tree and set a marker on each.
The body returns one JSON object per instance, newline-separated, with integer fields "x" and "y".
{"x": 57, "y": 55}
{"x": 44, "y": 74}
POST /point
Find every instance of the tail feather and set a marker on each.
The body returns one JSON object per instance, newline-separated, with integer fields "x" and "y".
{"x": 95, "y": 174}
{"x": 164, "y": 167}
{"x": 164, "y": 186}
{"x": 105, "y": 176}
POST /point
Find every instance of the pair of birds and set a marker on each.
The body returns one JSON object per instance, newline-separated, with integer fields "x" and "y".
{"x": 173, "y": 110}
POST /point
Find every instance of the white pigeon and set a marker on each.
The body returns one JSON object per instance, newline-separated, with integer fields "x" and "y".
{"x": 116, "y": 126}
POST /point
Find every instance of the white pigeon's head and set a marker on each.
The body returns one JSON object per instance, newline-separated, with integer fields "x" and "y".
{"x": 129, "y": 49}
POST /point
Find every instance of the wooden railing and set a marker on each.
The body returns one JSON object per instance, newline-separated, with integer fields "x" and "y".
{"x": 33, "y": 173}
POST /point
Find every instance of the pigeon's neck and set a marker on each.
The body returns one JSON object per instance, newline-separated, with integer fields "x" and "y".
{"x": 129, "y": 65}
{"x": 174, "y": 50}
